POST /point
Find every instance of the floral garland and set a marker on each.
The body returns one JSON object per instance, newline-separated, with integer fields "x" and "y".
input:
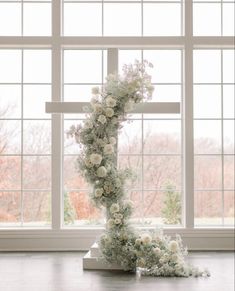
{"x": 153, "y": 253}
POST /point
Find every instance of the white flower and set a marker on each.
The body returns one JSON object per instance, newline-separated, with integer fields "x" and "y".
{"x": 156, "y": 251}
{"x": 146, "y": 238}
{"x": 95, "y": 90}
{"x": 118, "y": 215}
{"x": 97, "y": 108}
{"x": 128, "y": 203}
{"x": 141, "y": 263}
{"x": 129, "y": 106}
{"x": 117, "y": 221}
{"x": 108, "y": 149}
{"x": 110, "y": 102}
{"x": 114, "y": 120}
{"x": 114, "y": 208}
{"x": 110, "y": 223}
{"x": 109, "y": 112}
{"x": 101, "y": 172}
{"x": 175, "y": 257}
{"x": 138, "y": 241}
{"x": 88, "y": 124}
{"x": 95, "y": 159}
{"x": 102, "y": 119}
{"x": 99, "y": 192}
{"x": 173, "y": 246}
{"x": 112, "y": 140}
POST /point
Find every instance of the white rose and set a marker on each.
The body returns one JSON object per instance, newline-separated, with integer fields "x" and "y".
{"x": 109, "y": 112}
{"x": 117, "y": 221}
{"x": 108, "y": 149}
{"x": 88, "y": 163}
{"x": 101, "y": 172}
{"x": 146, "y": 238}
{"x": 112, "y": 140}
{"x": 100, "y": 142}
{"x": 97, "y": 108}
{"x": 95, "y": 159}
{"x": 102, "y": 119}
{"x": 99, "y": 192}
{"x": 114, "y": 208}
{"x": 173, "y": 246}
{"x": 118, "y": 215}
{"x": 156, "y": 251}
{"x": 95, "y": 90}
{"x": 129, "y": 106}
{"x": 138, "y": 241}
{"x": 110, "y": 223}
{"x": 175, "y": 257}
{"x": 110, "y": 102}
{"x": 88, "y": 124}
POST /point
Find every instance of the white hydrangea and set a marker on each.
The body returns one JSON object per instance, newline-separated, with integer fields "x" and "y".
{"x": 99, "y": 192}
{"x": 114, "y": 208}
{"x": 112, "y": 140}
{"x": 146, "y": 238}
{"x": 108, "y": 149}
{"x": 109, "y": 112}
{"x": 95, "y": 159}
{"x": 173, "y": 246}
{"x": 101, "y": 172}
{"x": 110, "y": 102}
{"x": 102, "y": 119}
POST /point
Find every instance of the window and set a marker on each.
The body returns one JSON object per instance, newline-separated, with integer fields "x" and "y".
{"x": 58, "y": 50}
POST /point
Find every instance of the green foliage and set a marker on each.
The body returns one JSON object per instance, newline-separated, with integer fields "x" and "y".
{"x": 172, "y": 205}
{"x": 69, "y": 214}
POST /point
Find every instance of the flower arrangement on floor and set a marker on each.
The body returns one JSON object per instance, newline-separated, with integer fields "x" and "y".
{"x": 153, "y": 253}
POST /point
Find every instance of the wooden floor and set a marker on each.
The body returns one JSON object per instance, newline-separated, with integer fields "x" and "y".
{"x": 63, "y": 272}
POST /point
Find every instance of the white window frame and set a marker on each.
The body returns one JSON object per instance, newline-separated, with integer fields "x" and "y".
{"x": 58, "y": 238}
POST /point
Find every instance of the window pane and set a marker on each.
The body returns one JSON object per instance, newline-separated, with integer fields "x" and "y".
{"x": 207, "y": 101}
{"x": 167, "y": 65}
{"x": 36, "y": 209}
{"x": 229, "y": 207}
{"x": 136, "y": 198}
{"x": 166, "y": 93}
{"x": 162, "y": 137}
{"x": 207, "y": 66}
{"x": 208, "y": 208}
{"x": 134, "y": 163}
{"x": 207, "y": 172}
{"x": 228, "y": 19}
{"x": 10, "y": 137}
{"x": 122, "y": 19}
{"x": 207, "y": 136}
{"x": 228, "y": 101}
{"x": 160, "y": 170}
{"x": 37, "y": 66}
{"x": 10, "y": 208}
{"x": 77, "y": 93}
{"x": 83, "y": 66}
{"x": 10, "y": 101}
{"x": 10, "y": 69}
{"x": 162, "y": 19}
{"x": 37, "y": 137}
{"x": 207, "y": 19}
{"x": 228, "y": 66}
{"x": 72, "y": 177}
{"x": 37, "y": 19}
{"x": 37, "y": 172}
{"x": 10, "y": 19}
{"x": 34, "y": 98}
{"x": 10, "y": 169}
{"x": 129, "y": 139}
{"x": 70, "y": 145}
{"x": 229, "y": 170}
{"x": 82, "y": 19}
{"x": 78, "y": 210}
{"x": 229, "y": 138}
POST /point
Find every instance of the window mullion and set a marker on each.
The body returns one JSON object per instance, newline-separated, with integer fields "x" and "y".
{"x": 188, "y": 118}
{"x": 56, "y": 119}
